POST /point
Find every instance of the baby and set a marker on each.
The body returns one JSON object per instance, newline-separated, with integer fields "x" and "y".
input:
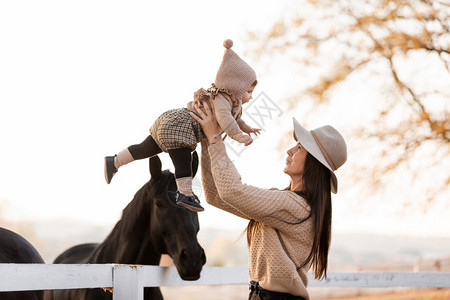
{"x": 178, "y": 134}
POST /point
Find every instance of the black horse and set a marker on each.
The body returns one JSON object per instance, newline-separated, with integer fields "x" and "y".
{"x": 15, "y": 249}
{"x": 152, "y": 224}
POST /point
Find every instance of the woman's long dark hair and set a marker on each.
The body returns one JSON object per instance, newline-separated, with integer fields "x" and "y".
{"x": 317, "y": 192}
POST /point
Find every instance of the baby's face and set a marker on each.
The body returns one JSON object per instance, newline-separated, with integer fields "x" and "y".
{"x": 248, "y": 95}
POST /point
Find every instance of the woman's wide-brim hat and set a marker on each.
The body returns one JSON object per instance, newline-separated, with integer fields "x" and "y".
{"x": 326, "y": 144}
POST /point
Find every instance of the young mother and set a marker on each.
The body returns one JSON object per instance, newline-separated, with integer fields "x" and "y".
{"x": 289, "y": 230}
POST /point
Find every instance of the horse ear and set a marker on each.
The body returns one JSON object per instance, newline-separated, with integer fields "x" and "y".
{"x": 155, "y": 167}
{"x": 194, "y": 163}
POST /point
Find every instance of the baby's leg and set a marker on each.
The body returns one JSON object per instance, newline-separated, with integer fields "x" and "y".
{"x": 181, "y": 159}
{"x": 147, "y": 148}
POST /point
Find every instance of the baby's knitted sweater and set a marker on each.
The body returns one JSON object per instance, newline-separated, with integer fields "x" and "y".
{"x": 280, "y": 245}
{"x": 228, "y": 116}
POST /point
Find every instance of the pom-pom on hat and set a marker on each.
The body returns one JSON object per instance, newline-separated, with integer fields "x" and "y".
{"x": 228, "y": 44}
{"x": 234, "y": 74}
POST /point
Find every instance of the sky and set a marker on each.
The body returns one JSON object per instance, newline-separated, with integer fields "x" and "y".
{"x": 81, "y": 80}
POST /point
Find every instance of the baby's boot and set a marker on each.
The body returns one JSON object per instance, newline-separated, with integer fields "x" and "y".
{"x": 185, "y": 196}
{"x": 113, "y": 163}
{"x": 190, "y": 202}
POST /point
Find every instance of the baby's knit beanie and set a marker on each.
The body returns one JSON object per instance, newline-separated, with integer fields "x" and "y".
{"x": 234, "y": 74}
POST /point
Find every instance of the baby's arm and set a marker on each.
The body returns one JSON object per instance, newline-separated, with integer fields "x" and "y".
{"x": 248, "y": 129}
{"x": 222, "y": 110}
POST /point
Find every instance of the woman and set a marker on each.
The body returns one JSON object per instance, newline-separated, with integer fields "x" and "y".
{"x": 289, "y": 230}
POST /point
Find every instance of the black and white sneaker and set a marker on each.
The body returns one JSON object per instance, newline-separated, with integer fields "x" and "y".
{"x": 110, "y": 169}
{"x": 190, "y": 202}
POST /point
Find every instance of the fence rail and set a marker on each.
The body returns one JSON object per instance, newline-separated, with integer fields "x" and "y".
{"x": 128, "y": 281}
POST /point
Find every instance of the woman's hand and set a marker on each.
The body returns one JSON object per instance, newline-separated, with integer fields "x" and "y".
{"x": 208, "y": 122}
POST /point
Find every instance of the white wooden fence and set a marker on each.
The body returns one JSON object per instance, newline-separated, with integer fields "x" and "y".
{"x": 128, "y": 281}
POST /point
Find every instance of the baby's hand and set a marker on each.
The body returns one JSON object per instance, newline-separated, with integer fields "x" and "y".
{"x": 249, "y": 130}
{"x": 244, "y": 139}
{"x": 255, "y": 131}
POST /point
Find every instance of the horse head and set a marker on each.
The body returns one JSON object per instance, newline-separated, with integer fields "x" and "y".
{"x": 174, "y": 228}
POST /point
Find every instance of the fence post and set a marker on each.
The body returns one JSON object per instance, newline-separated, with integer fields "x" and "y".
{"x": 126, "y": 283}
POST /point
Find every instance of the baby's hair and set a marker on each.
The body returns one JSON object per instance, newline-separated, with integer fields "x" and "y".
{"x": 255, "y": 83}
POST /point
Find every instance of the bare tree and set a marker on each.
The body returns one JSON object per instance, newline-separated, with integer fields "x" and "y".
{"x": 403, "y": 46}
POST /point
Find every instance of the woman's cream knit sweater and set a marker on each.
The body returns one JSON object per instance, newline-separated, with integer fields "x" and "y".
{"x": 281, "y": 244}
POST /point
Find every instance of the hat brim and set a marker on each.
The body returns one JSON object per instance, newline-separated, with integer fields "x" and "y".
{"x": 306, "y": 139}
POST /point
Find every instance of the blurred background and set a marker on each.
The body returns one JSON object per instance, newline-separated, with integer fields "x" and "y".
{"x": 82, "y": 80}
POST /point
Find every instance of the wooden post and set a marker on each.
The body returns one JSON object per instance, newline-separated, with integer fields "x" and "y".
{"x": 127, "y": 283}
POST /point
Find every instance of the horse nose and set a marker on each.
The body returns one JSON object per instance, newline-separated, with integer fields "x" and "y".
{"x": 194, "y": 255}
{"x": 203, "y": 257}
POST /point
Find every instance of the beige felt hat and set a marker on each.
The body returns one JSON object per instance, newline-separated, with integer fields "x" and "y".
{"x": 326, "y": 144}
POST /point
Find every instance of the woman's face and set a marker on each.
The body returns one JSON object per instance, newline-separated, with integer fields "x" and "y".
{"x": 295, "y": 161}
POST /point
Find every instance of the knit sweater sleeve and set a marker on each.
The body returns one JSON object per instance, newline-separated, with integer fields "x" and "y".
{"x": 275, "y": 208}
{"x": 209, "y": 186}
{"x": 244, "y": 127}
{"x": 224, "y": 116}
